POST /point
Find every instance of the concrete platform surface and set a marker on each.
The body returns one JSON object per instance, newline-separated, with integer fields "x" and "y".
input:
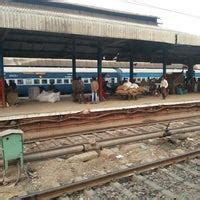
{"x": 29, "y": 109}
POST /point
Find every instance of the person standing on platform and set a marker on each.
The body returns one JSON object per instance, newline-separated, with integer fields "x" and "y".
{"x": 51, "y": 87}
{"x": 164, "y": 86}
{"x": 80, "y": 90}
{"x": 5, "y": 85}
{"x": 13, "y": 86}
{"x": 94, "y": 89}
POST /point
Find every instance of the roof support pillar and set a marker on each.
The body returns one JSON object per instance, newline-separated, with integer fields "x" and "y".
{"x": 190, "y": 81}
{"x": 74, "y": 60}
{"x": 131, "y": 63}
{"x": 99, "y": 71}
{"x": 131, "y": 68}
{"x": 2, "y": 87}
{"x": 164, "y": 62}
{"x": 190, "y": 72}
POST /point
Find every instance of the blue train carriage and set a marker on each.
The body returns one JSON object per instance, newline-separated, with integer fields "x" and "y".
{"x": 29, "y": 77}
{"x": 62, "y": 78}
{"x": 142, "y": 74}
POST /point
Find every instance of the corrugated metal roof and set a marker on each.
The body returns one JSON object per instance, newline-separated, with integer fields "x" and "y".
{"x": 46, "y": 32}
{"x": 31, "y": 17}
{"x": 188, "y": 39}
{"x": 93, "y": 10}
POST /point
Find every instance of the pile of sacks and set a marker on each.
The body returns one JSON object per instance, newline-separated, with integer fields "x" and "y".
{"x": 51, "y": 97}
{"x": 130, "y": 89}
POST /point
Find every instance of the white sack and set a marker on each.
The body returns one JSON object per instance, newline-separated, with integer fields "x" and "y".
{"x": 48, "y": 97}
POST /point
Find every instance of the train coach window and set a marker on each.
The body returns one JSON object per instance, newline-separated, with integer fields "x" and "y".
{"x": 44, "y": 81}
{"x": 7, "y": 81}
{"x": 28, "y": 81}
{"x": 66, "y": 81}
{"x": 114, "y": 80}
{"x": 59, "y": 81}
{"x": 51, "y": 81}
{"x": 85, "y": 81}
{"x": 20, "y": 82}
{"x": 11, "y": 81}
{"x": 36, "y": 81}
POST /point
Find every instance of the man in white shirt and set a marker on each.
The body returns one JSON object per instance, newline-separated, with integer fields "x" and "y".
{"x": 164, "y": 86}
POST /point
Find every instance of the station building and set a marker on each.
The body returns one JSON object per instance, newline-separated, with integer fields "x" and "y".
{"x": 35, "y": 29}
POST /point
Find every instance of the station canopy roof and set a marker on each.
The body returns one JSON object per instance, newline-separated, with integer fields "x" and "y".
{"x": 45, "y": 30}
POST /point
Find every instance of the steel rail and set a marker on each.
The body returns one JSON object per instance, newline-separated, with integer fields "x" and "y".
{"x": 80, "y": 148}
{"x": 103, "y": 179}
{"x": 132, "y": 137}
{"x": 138, "y": 125}
{"x": 79, "y": 133}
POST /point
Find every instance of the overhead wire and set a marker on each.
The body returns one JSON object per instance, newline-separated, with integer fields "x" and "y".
{"x": 159, "y": 8}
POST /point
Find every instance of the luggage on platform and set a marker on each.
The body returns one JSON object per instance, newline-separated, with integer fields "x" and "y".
{"x": 33, "y": 93}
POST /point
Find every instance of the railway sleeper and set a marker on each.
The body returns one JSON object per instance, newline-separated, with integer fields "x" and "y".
{"x": 155, "y": 186}
{"x": 179, "y": 179}
{"x": 187, "y": 169}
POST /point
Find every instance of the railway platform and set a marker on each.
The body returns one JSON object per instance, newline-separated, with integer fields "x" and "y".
{"x": 32, "y": 109}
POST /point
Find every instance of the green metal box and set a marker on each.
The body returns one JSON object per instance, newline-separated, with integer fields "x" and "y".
{"x": 11, "y": 144}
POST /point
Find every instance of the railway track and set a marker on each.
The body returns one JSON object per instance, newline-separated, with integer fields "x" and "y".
{"x": 81, "y": 142}
{"x": 169, "y": 178}
{"x": 47, "y": 126}
{"x": 81, "y": 138}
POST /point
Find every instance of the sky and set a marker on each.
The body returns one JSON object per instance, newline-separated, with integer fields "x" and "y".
{"x": 179, "y": 15}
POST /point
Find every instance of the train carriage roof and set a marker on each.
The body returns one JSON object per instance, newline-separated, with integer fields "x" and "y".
{"x": 53, "y": 70}
{"x": 24, "y": 62}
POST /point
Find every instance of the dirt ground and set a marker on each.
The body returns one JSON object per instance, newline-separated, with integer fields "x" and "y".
{"x": 59, "y": 171}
